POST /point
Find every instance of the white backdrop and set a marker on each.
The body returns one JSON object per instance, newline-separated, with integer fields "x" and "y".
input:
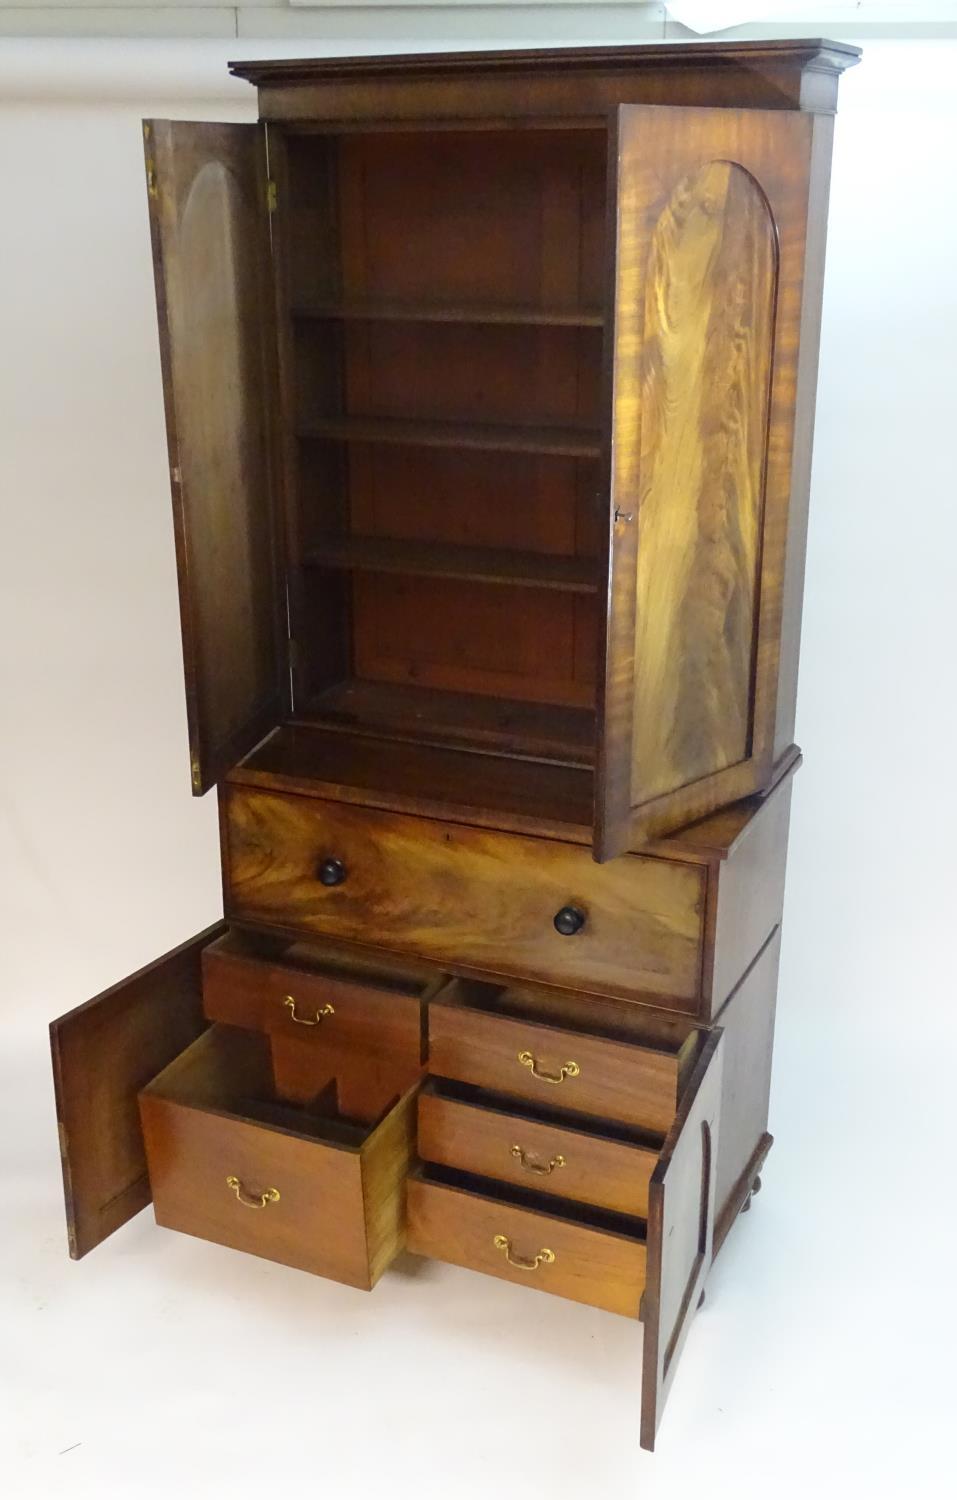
{"x": 161, "y": 1365}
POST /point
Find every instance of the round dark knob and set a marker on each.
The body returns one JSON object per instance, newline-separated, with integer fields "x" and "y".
{"x": 569, "y": 920}
{"x": 332, "y": 872}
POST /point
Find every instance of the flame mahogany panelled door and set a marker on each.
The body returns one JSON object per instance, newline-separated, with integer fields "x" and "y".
{"x": 710, "y": 224}
{"x": 207, "y": 191}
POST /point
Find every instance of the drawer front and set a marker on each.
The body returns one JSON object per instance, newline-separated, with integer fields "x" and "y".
{"x": 235, "y": 1159}
{"x": 553, "y": 1159}
{"x": 561, "y": 1069}
{"x": 532, "y": 1249}
{"x": 327, "y": 1009}
{"x": 197, "y": 1159}
{"x": 467, "y": 896}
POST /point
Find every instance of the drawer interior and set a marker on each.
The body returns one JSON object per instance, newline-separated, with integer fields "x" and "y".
{"x": 233, "y": 1072}
{"x": 508, "y": 1108}
{"x": 325, "y": 959}
{"x": 614, "y": 1022}
{"x": 584, "y": 1215}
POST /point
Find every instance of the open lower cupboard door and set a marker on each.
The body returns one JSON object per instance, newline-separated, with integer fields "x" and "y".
{"x": 208, "y": 218}
{"x": 103, "y": 1053}
{"x": 710, "y": 225}
{"x": 681, "y": 1217}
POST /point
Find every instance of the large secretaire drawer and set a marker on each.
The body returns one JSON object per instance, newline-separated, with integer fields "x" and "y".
{"x": 528, "y": 908}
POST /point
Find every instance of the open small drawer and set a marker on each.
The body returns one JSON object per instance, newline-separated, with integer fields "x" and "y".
{"x": 597, "y": 1163}
{"x": 236, "y": 1158}
{"x": 318, "y": 994}
{"x": 493, "y": 1038}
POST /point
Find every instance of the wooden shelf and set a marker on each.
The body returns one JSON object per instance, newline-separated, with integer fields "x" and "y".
{"x": 422, "y": 312}
{"x": 573, "y": 575}
{"x": 484, "y": 788}
{"x": 570, "y": 442}
{"x": 534, "y": 730}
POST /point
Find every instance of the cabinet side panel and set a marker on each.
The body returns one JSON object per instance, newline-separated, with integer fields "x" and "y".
{"x": 750, "y": 896}
{"x": 748, "y": 1025}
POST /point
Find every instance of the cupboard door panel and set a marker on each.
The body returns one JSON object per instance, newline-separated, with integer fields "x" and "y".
{"x": 207, "y": 200}
{"x": 103, "y": 1054}
{"x": 681, "y": 1213}
{"x": 711, "y": 224}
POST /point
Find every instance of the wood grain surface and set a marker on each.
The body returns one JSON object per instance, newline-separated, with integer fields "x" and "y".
{"x": 103, "y": 1053}
{"x": 554, "y": 1158}
{"x": 681, "y": 1217}
{"x": 709, "y": 292}
{"x": 206, "y": 188}
{"x": 198, "y": 1134}
{"x": 613, "y": 1079}
{"x": 592, "y": 1265}
{"x": 445, "y": 891}
{"x": 355, "y": 1010}
{"x": 711, "y": 217}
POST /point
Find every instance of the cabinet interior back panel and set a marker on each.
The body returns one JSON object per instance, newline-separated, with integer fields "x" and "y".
{"x": 462, "y": 272}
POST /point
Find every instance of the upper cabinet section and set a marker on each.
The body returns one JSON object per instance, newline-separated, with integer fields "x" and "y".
{"x": 519, "y": 351}
{"x": 207, "y": 198}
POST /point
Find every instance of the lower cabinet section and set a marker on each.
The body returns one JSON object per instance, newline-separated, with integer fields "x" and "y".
{"x": 573, "y": 1158}
{"x": 231, "y": 1161}
{"x": 587, "y": 1256}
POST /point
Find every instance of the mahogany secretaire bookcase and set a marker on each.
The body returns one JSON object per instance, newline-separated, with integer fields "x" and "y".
{"x": 489, "y": 392}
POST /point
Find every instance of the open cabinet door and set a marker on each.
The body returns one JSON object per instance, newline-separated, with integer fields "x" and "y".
{"x": 104, "y": 1052}
{"x": 681, "y": 1210}
{"x": 209, "y": 223}
{"x": 709, "y": 215}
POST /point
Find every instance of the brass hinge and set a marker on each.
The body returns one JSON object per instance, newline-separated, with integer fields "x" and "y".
{"x": 272, "y": 197}
{"x": 151, "y": 187}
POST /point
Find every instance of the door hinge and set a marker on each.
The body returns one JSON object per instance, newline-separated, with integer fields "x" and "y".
{"x": 272, "y": 197}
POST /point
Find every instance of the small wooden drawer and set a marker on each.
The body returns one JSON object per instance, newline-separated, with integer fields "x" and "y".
{"x": 322, "y": 998}
{"x": 473, "y": 1040}
{"x": 587, "y": 1256}
{"x": 533, "y": 909}
{"x": 462, "y": 1128}
{"x": 231, "y": 1161}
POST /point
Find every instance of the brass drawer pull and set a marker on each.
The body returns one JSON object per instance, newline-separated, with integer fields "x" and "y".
{"x": 567, "y": 1070}
{"x": 290, "y": 1004}
{"x": 543, "y": 1168}
{"x": 543, "y": 1258}
{"x": 249, "y": 1200}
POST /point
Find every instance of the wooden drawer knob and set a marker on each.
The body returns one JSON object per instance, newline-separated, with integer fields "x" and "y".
{"x": 332, "y": 872}
{"x": 569, "y": 920}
